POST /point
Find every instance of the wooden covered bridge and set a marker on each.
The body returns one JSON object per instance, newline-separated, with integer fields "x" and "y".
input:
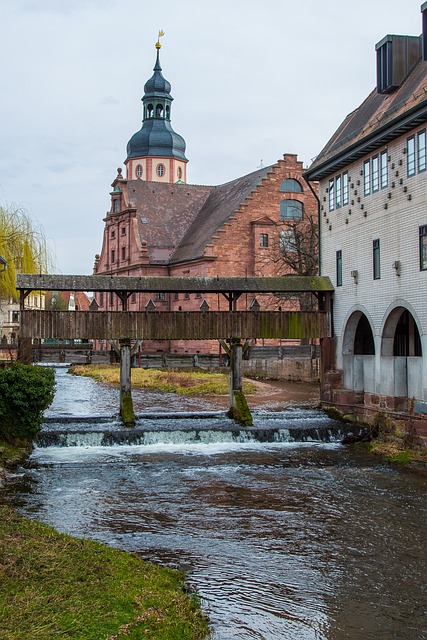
{"x": 129, "y": 326}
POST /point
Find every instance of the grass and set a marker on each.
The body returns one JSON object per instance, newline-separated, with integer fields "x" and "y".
{"x": 189, "y": 383}
{"x": 56, "y": 586}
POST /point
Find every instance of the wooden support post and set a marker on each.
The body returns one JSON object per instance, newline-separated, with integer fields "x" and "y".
{"x": 126, "y": 405}
{"x": 239, "y": 409}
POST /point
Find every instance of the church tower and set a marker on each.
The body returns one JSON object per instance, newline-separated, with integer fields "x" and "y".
{"x": 156, "y": 152}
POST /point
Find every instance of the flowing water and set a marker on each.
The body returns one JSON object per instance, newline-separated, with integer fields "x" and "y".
{"x": 281, "y": 539}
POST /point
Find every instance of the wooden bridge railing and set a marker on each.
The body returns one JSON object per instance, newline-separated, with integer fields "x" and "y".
{"x": 173, "y": 325}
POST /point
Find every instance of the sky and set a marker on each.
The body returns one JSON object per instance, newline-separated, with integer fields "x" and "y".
{"x": 251, "y": 81}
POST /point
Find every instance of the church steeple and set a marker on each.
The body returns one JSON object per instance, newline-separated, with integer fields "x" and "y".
{"x": 156, "y": 152}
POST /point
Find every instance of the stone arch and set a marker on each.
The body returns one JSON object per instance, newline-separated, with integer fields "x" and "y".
{"x": 400, "y": 334}
{"x": 358, "y": 354}
{"x": 358, "y": 325}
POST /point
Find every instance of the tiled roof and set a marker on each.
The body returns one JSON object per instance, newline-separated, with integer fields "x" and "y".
{"x": 223, "y": 201}
{"x": 165, "y": 211}
{"x": 380, "y": 118}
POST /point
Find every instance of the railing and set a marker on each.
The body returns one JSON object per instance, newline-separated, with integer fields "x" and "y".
{"x": 173, "y": 325}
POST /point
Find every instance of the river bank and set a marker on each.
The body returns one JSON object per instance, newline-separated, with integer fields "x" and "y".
{"x": 54, "y": 584}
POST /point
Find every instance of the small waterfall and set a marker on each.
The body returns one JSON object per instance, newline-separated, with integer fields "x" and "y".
{"x": 187, "y": 429}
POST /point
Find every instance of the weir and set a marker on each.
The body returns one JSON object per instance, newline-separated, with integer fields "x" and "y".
{"x": 228, "y": 326}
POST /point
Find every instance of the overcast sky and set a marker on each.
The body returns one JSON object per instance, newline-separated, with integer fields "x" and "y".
{"x": 251, "y": 81}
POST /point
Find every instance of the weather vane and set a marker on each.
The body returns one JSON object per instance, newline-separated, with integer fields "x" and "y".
{"x": 158, "y": 45}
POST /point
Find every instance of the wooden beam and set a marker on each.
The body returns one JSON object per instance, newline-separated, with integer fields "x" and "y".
{"x": 173, "y": 325}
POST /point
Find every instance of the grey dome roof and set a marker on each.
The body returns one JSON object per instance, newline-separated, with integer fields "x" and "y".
{"x": 157, "y": 84}
{"x": 156, "y": 138}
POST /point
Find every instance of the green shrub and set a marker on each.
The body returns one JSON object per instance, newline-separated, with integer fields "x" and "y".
{"x": 25, "y": 392}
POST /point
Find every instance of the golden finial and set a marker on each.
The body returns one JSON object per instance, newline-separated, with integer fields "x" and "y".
{"x": 158, "y": 45}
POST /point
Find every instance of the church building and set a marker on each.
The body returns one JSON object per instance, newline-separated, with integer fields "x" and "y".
{"x": 160, "y": 225}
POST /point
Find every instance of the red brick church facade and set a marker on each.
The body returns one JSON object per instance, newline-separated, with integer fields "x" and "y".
{"x": 160, "y": 225}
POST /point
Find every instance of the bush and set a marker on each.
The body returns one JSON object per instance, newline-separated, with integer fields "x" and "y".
{"x": 25, "y": 392}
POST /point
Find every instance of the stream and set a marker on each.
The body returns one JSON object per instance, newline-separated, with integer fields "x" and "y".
{"x": 282, "y": 539}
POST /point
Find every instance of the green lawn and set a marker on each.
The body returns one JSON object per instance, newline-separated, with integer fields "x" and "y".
{"x": 56, "y": 586}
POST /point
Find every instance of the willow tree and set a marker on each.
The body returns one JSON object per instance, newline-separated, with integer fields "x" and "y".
{"x": 24, "y": 247}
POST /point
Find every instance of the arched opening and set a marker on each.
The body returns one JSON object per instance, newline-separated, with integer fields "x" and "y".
{"x": 149, "y": 111}
{"x": 401, "y": 355}
{"x": 358, "y": 352}
{"x": 159, "y": 111}
{"x": 168, "y": 111}
{"x": 363, "y": 339}
{"x": 291, "y": 186}
{"x": 407, "y": 341}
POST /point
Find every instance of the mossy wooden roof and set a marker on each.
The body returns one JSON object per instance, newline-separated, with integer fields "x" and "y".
{"x": 154, "y": 284}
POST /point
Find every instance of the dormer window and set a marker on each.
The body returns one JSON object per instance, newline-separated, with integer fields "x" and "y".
{"x": 116, "y": 205}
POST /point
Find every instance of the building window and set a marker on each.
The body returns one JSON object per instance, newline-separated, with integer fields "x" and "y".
{"x": 123, "y": 231}
{"x": 116, "y": 205}
{"x": 375, "y": 174}
{"x": 161, "y": 295}
{"x": 123, "y": 253}
{"x": 176, "y": 296}
{"x": 339, "y": 267}
{"x": 263, "y": 239}
{"x": 133, "y": 298}
{"x": 331, "y": 194}
{"x": 367, "y": 177}
{"x": 291, "y": 186}
{"x": 291, "y": 210}
{"x": 113, "y": 255}
{"x": 138, "y": 170}
{"x": 160, "y": 170}
{"x": 15, "y": 316}
{"x": 198, "y": 294}
{"x": 113, "y": 235}
{"x": 383, "y": 169}
{"x": 179, "y": 173}
{"x": 384, "y": 67}
{"x": 423, "y": 248}
{"x": 421, "y": 150}
{"x": 101, "y": 299}
{"x": 376, "y": 259}
{"x": 287, "y": 240}
{"x": 345, "y": 189}
{"x": 186, "y": 296}
{"x": 338, "y": 192}
{"x": 411, "y": 156}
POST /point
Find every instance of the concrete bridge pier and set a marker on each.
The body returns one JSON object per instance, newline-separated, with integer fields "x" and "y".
{"x": 127, "y": 413}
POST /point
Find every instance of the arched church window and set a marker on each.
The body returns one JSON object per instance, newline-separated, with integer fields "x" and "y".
{"x": 291, "y": 186}
{"x": 179, "y": 173}
{"x": 160, "y": 170}
{"x": 150, "y": 110}
{"x": 168, "y": 111}
{"x": 116, "y": 205}
{"x": 291, "y": 210}
{"x": 159, "y": 111}
{"x": 138, "y": 171}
